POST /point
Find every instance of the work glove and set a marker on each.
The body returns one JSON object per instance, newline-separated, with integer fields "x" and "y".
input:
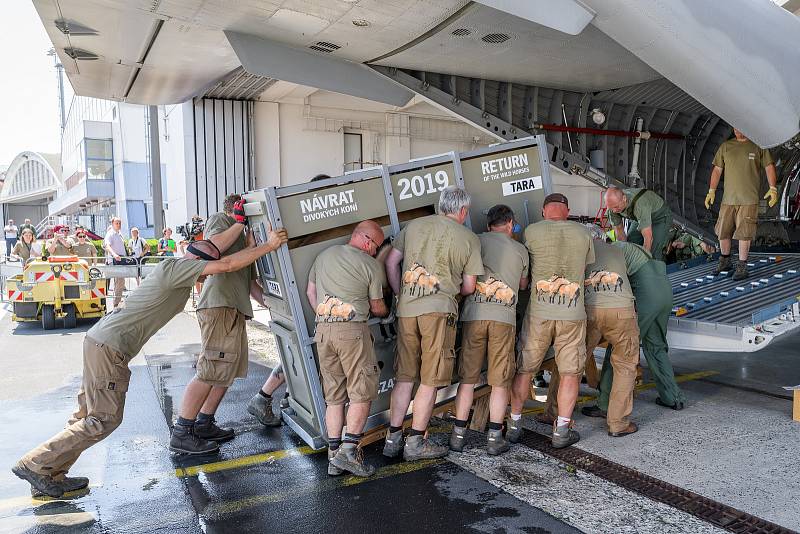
{"x": 238, "y": 212}
{"x": 710, "y": 198}
{"x": 772, "y": 196}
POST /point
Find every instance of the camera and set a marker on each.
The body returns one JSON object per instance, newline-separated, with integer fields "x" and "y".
{"x": 191, "y": 230}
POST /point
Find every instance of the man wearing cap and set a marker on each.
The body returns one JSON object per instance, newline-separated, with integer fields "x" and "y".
{"x": 112, "y": 343}
{"x": 742, "y": 161}
{"x": 610, "y": 315}
{"x": 489, "y": 328}
{"x": 649, "y": 212}
{"x": 223, "y": 308}
{"x": 440, "y": 259}
{"x": 60, "y": 245}
{"x": 559, "y": 251}
{"x": 345, "y": 285}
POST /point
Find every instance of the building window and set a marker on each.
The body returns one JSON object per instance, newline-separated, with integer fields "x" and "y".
{"x": 99, "y": 159}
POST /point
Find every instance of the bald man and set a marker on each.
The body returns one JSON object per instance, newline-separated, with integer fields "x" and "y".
{"x": 649, "y": 212}
{"x": 113, "y": 342}
{"x": 345, "y": 285}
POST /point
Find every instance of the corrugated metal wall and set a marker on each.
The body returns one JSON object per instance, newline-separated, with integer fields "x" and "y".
{"x": 222, "y": 151}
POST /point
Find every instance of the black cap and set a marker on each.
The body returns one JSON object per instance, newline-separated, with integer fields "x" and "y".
{"x": 555, "y": 197}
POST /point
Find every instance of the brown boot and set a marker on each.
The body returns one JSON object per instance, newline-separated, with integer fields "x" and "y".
{"x": 741, "y": 271}
{"x": 725, "y": 265}
{"x": 630, "y": 429}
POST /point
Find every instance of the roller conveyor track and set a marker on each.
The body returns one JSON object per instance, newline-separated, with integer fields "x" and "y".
{"x": 690, "y": 276}
{"x": 740, "y": 311}
{"x": 727, "y": 283}
{"x": 737, "y": 308}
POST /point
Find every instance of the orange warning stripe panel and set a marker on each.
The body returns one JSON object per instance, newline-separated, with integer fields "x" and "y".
{"x": 14, "y": 294}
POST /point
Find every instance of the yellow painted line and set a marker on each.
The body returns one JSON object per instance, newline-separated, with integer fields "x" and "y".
{"x": 642, "y": 387}
{"x": 317, "y": 487}
{"x": 29, "y": 502}
{"x": 396, "y": 469}
{"x": 244, "y": 461}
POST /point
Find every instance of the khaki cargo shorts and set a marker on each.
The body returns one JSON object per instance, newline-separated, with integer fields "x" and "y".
{"x": 492, "y": 340}
{"x": 225, "y": 352}
{"x": 737, "y": 222}
{"x": 426, "y": 349}
{"x": 567, "y": 337}
{"x": 347, "y": 362}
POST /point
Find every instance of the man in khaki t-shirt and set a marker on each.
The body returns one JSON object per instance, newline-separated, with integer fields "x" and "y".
{"x": 440, "y": 260}
{"x": 113, "y": 342}
{"x": 222, "y": 312}
{"x": 741, "y": 160}
{"x": 560, "y": 250}
{"x": 345, "y": 284}
{"x": 651, "y": 218}
{"x": 611, "y": 316}
{"x": 489, "y": 327}
{"x": 60, "y": 244}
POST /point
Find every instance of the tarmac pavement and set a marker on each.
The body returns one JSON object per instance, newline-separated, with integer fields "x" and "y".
{"x": 268, "y": 480}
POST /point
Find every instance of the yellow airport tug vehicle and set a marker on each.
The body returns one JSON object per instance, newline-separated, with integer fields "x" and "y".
{"x": 59, "y": 287}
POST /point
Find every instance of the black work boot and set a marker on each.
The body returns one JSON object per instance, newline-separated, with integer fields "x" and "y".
{"x": 68, "y": 485}
{"x": 539, "y": 380}
{"x": 593, "y": 411}
{"x": 513, "y": 430}
{"x": 457, "y": 438}
{"x": 741, "y": 271}
{"x": 496, "y": 443}
{"x": 393, "y": 444}
{"x": 208, "y": 430}
{"x": 725, "y": 265}
{"x": 44, "y": 484}
{"x": 261, "y": 408}
{"x": 185, "y": 441}
{"x": 349, "y": 457}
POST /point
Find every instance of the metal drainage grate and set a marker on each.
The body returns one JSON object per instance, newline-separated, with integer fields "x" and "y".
{"x": 495, "y": 38}
{"x": 713, "y": 512}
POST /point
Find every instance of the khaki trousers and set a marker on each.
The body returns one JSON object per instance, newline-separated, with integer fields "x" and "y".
{"x": 618, "y": 326}
{"x": 101, "y": 401}
{"x": 119, "y": 287}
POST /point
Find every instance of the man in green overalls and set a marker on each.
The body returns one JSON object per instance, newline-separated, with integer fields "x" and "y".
{"x": 649, "y": 212}
{"x": 684, "y": 246}
{"x": 653, "y": 294}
